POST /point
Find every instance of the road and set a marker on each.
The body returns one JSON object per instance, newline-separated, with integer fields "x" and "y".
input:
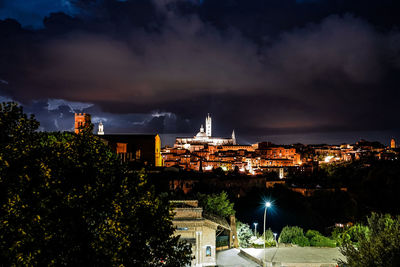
{"x": 230, "y": 258}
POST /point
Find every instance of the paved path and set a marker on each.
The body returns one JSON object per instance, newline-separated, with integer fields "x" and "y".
{"x": 300, "y": 255}
{"x": 230, "y": 258}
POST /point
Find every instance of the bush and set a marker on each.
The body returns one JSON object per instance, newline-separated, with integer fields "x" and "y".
{"x": 322, "y": 241}
{"x": 301, "y": 241}
{"x": 259, "y": 242}
{"x": 267, "y": 245}
{"x": 292, "y": 234}
{"x": 312, "y": 233}
{"x": 318, "y": 240}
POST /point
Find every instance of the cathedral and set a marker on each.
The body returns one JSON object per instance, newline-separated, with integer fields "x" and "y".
{"x": 204, "y": 137}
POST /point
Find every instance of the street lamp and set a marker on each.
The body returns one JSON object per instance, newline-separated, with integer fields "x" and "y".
{"x": 255, "y": 229}
{"x": 267, "y": 205}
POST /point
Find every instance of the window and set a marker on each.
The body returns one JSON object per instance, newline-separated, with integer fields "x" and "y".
{"x": 208, "y": 251}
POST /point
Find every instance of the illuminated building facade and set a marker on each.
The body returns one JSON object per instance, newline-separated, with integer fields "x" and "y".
{"x": 145, "y": 148}
{"x": 392, "y": 143}
{"x": 247, "y": 159}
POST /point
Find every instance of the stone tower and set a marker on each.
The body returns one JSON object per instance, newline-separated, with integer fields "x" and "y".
{"x": 233, "y": 137}
{"x": 101, "y": 129}
{"x": 392, "y": 143}
{"x": 208, "y": 125}
{"x": 82, "y": 120}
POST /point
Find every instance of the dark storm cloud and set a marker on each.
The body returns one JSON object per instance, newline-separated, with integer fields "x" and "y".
{"x": 271, "y": 68}
{"x": 31, "y": 13}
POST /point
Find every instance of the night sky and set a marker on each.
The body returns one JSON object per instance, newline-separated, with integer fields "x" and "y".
{"x": 288, "y": 71}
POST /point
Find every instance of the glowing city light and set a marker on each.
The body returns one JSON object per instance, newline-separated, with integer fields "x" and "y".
{"x": 328, "y": 158}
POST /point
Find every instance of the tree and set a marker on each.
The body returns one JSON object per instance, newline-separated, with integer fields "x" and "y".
{"x": 380, "y": 246}
{"x": 66, "y": 199}
{"x": 244, "y": 234}
{"x": 350, "y": 234}
{"x": 218, "y": 204}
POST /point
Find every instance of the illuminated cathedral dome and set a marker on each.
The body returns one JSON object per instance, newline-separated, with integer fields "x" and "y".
{"x": 201, "y": 134}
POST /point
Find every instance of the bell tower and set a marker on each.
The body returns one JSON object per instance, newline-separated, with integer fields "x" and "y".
{"x": 392, "y": 143}
{"x": 82, "y": 120}
{"x": 101, "y": 129}
{"x": 233, "y": 137}
{"x": 208, "y": 125}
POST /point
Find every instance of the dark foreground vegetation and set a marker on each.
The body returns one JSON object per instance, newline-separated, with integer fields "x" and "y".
{"x": 66, "y": 199}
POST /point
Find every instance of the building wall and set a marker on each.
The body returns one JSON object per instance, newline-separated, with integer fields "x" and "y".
{"x": 200, "y": 232}
{"x": 132, "y": 147}
{"x": 157, "y": 151}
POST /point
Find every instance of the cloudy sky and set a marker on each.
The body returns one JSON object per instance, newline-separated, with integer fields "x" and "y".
{"x": 313, "y": 71}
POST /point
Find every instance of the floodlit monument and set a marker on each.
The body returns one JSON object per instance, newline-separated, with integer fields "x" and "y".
{"x": 204, "y": 137}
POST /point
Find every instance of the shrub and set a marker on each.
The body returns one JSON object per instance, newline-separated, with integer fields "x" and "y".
{"x": 312, "y": 233}
{"x": 322, "y": 241}
{"x": 318, "y": 240}
{"x": 259, "y": 242}
{"x": 290, "y": 233}
{"x": 301, "y": 241}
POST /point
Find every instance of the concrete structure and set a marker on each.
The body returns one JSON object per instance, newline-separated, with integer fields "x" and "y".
{"x": 82, "y": 120}
{"x": 232, "y": 258}
{"x": 198, "y": 229}
{"x": 295, "y": 256}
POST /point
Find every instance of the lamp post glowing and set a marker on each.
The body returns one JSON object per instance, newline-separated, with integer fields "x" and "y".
{"x": 255, "y": 229}
{"x": 267, "y": 205}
